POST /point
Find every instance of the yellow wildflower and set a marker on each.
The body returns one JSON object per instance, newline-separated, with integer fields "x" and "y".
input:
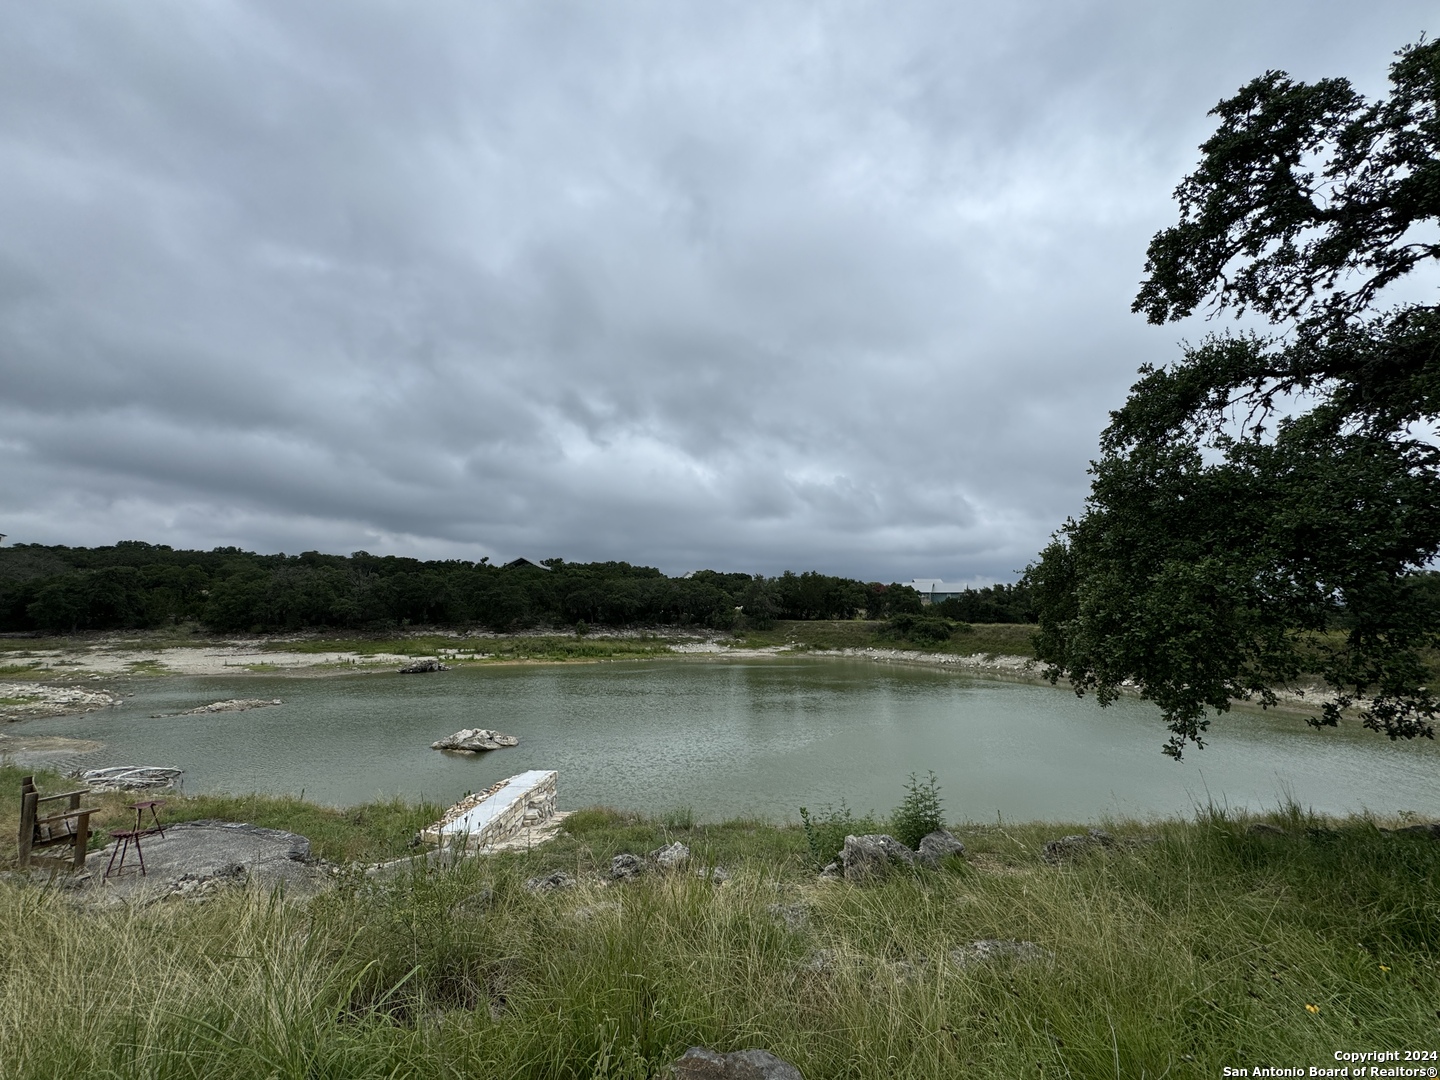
{"x": 1383, "y": 967}
{"x": 1311, "y": 1008}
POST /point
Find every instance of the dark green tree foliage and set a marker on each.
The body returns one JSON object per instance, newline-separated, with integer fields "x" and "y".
{"x": 887, "y": 601}
{"x": 134, "y": 585}
{"x": 817, "y": 596}
{"x": 991, "y": 604}
{"x": 1264, "y": 509}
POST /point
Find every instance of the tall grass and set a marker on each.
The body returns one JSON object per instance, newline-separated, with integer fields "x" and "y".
{"x": 1171, "y": 958}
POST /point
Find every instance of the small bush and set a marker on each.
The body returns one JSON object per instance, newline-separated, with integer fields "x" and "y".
{"x": 825, "y": 832}
{"x": 919, "y": 813}
{"x": 921, "y": 629}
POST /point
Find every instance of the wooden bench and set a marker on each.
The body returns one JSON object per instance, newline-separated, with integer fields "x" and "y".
{"x": 69, "y": 826}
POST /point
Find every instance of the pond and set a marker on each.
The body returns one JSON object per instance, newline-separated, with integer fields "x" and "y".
{"x": 731, "y": 738}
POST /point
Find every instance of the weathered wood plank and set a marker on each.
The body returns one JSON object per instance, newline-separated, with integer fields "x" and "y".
{"x": 66, "y": 795}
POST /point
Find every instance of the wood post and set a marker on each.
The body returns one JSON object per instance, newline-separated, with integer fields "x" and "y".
{"x": 28, "y": 799}
{"x": 82, "y": 839}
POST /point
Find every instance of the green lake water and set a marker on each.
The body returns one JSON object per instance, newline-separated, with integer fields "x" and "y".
{"x": 743, "y": 737}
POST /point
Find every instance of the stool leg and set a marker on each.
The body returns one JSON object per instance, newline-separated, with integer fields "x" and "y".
{"x": 140, "y": 855}
{"x": 116, "y": 851}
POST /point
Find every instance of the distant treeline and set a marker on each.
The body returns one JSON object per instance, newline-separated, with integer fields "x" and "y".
{"x": 135, "y": 585}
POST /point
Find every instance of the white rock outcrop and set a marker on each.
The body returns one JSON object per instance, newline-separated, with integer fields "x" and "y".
{"x": 474, "y": 740}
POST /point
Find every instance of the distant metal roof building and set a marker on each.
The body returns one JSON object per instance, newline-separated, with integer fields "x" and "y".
{"x": 936, "y": 591}
{"x": 515, "y": 564}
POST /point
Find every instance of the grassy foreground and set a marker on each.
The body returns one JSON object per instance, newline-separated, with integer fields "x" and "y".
{"x": 1207, "y": 947}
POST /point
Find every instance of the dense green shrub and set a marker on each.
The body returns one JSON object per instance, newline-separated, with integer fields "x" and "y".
{"x": 919, "y": 813}
{"x": 992, "y": 604}
{"x": 922, "y": 629}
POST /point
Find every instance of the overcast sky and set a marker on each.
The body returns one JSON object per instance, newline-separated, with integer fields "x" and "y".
{"x": 838, "y": 286}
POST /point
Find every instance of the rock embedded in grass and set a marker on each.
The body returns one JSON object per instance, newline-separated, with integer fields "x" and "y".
{"x": 1430, "y": 829}
{"x": 993, "y": 950}
{"x": 555, "y": 879}
{"x": 697, "y": 1063}
{"x": 1264, "y": 828}
{"x": 626, "y": 867}
{"x": 1067, "y": 847}
{"x": 939, "y": 846}
{"x": 794, "y": 916}
{"x": 873, "y": 855}
{"x": 670, "y": 857}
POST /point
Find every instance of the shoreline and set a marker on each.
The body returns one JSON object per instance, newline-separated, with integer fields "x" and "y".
{"x": 58, "y": 681}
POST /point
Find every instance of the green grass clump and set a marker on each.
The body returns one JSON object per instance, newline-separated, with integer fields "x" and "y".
{"x": 35, "y": 667}
{"x": 1184, "y": 947}
{"x": 826, "y": 829}
{"x": 577, "y": 648}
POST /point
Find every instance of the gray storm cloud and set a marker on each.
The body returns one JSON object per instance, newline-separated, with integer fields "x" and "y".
{"x": 748, "y": 287}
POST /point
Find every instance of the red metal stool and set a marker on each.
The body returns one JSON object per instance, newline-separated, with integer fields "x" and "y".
{"x": 124, "y": 838}
{"x": 140, "y": 808}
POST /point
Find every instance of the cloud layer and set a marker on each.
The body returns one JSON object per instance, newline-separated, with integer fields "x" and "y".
{"x": 839, "y": 286}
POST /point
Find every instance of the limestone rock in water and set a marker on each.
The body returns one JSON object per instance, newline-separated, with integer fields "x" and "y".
{"x": 555, "y": 879}
{"x": 698, "y": 1063}
{"x": 993, "y": 950}
{"x": 473, "y": 740}
{"x": 873, "y": 854}
{"x": 939, "y": 846}
{"x": 670, "y": 856}
{"x": 235, "y": 705}
{"x": 625, "y": 867}
{"x": 419, "y": 667}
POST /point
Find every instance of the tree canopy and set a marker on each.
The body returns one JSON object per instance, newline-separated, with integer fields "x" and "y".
{"x": 1265, "y": 510}
{"x": 135, "y": 585}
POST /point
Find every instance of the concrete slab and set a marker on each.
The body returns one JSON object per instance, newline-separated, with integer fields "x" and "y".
{"x": 523, "y": 802}
{"x": 196, "y": 857}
